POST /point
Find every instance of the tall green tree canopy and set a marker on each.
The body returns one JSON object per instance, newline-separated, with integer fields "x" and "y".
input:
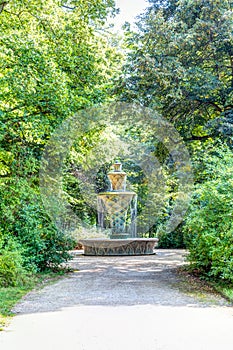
{"x": 53, "y": 62}
{"x": 180, "y": 61}
{"x": 55, "y": 58}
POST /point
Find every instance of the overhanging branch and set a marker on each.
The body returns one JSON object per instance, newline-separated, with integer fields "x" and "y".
{"x": 2, "y": 5}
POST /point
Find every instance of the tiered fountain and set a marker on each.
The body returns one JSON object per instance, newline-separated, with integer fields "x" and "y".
{"x": 117, "y": 210}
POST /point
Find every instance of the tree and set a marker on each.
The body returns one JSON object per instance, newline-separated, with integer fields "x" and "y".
{"x": 180, "y": 61}
{"x": 55, "y": 59}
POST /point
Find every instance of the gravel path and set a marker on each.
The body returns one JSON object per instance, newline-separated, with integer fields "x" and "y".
{"x": 113, "y": 303}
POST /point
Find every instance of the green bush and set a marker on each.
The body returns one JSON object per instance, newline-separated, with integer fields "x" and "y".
{"x": 25, "y": 220}
{"x": 171, "y": 240}
{"x": 209, "y": 226}
{"x": 44, "y": 245}
{"x": 12, "y": 272}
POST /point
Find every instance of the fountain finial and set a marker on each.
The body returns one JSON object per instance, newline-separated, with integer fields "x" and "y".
{"x": 117, "y": 166}
{"x": 117, "y": 178}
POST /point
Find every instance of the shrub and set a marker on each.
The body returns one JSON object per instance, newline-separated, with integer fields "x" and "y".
{"x": 12, "y": 272}
{"x": 44, "y": 245}
{"x": 25, "y": 220}
{"x": 171, "y": 240}
{"x": 209, "y": 227}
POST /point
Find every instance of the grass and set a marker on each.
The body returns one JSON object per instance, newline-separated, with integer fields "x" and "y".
{"x": 194, "y": 284}
{"x": 223, "y": 288}
{"x": 9, "y": 296}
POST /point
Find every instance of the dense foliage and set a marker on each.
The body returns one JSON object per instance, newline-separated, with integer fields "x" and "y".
{"x": 55, "y": 59}
{"x": 180, "y": 62}
{"x": 12, "y": 271}
{"x": 208, "y": 229}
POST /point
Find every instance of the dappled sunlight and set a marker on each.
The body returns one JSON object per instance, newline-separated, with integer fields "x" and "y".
{"x": 116, "y": 281}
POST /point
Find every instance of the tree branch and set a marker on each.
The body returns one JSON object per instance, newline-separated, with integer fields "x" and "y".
{"x": 197, "y": 138}
{"x": 68, "y": 7}
{"x": 2, "y": 5}
{"x": 219, "y": 109}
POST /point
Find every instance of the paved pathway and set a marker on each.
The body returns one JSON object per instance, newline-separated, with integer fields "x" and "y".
{"x": 119, "y": 303}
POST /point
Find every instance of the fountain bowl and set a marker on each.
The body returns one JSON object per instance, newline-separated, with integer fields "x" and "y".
{"x": 119, "y": 247}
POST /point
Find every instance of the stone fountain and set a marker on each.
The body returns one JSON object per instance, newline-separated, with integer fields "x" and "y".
{"x": 117, "y": 211}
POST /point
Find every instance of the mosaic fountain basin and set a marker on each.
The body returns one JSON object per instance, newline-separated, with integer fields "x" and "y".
{"x": 126, "y": 246}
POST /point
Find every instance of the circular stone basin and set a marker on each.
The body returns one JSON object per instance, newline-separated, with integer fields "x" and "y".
{"x": 109, "y": 247}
